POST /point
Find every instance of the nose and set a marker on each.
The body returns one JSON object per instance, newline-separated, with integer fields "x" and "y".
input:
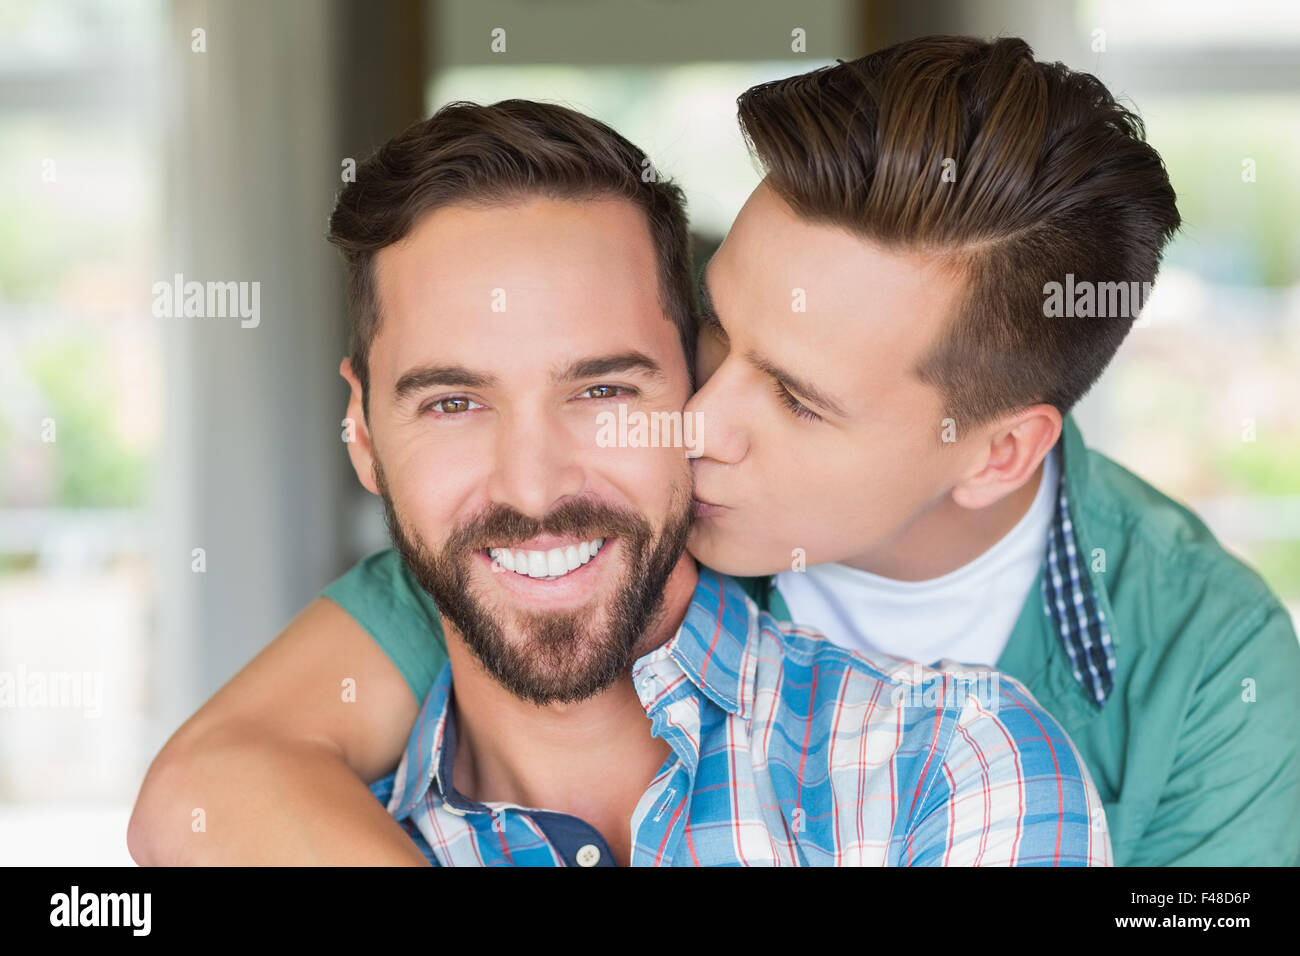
{"x": 720, "y": 406}
{"x": 535, "y": 466}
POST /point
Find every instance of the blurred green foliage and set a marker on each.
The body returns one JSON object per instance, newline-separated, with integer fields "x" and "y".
{"x": 1266, "y": 468}
{"x": 1278, "y": 563}
{"x": 1261, "y": 467}
{"x": 96, "y": 467}
{"x": 1234, "y": 232}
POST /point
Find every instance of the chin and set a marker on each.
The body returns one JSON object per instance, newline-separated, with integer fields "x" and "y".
{"x": 733, "y": 558}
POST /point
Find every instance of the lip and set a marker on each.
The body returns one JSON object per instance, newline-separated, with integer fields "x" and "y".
{"x": 574, "y": 589}
{"x": 545, "y": 542}
{"x": 707, "y": 509}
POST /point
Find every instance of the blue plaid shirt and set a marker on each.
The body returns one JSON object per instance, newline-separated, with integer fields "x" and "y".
{"x": 789, "y": 750}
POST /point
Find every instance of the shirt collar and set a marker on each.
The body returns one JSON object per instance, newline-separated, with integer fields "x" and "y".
{"x": 711, "y": 646}
{"x": 429, "y": 750}
{"x": 709, "y": 650}
{"x": 1073, "y": 589}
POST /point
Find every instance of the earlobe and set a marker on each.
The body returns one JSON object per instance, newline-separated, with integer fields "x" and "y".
{"x": 363, "y": 464}
{"x": 979, "y": 491}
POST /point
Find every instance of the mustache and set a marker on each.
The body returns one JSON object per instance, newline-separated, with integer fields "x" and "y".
{"x": 500, "y": 525}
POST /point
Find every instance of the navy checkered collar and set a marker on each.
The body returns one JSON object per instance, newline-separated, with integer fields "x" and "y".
{"x": 1072, "y": 598}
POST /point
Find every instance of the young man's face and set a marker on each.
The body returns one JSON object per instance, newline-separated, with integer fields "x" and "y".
{"x": 849, "y": 484}
{"x": 506, "y": 331}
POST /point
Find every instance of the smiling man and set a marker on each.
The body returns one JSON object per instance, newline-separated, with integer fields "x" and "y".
{"x": 603, "y": 700}
{"x": 559, "y": 561}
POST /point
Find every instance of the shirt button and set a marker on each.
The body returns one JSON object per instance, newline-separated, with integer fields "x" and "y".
{"x": 588, "y": 855}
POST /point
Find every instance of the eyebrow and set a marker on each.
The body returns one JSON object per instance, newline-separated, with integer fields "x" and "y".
{"x": 629, "y": 361}
{"x": 430, "y": 376}
{"x": 791, "y": 381}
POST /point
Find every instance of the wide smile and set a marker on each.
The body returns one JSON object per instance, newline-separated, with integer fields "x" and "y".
{"x": 549, "y": 565}
{"x": 551, "y": 572}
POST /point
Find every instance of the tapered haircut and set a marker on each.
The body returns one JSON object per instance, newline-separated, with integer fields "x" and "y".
{"x": 1046, "y": 175}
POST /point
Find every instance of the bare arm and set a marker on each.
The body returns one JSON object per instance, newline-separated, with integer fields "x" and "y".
{"x": 277, "y": 760}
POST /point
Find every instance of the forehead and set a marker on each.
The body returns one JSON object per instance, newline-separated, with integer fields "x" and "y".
{"x": 519, "y": 285}
{"x": 828, "y": 303}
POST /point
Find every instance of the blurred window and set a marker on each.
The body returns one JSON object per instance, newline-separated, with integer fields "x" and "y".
{"x": 80, "y": 414}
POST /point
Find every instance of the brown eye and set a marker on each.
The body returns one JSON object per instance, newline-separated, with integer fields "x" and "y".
{"x": 604, "y": 391}
{"x": 451, "y": 405}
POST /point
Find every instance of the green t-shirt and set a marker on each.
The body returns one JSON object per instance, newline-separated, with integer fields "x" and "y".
{"x": 1196, "y": 750}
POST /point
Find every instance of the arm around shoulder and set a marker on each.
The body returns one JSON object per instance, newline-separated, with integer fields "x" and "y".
{"x": 274, "y": 768}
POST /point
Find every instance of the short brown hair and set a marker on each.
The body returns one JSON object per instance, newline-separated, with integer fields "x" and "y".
{"x": 501, "y": 153}
{"x": 1052, "y": 177}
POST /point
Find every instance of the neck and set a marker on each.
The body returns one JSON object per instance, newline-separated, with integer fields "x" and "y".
{"x": 946, "y": 536}
{"x": 559, "y": 756}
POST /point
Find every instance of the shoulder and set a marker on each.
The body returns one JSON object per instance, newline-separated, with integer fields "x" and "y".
{"x": 800, "y": 669}
{"x": 947, "y": 731}
{"x": 381, "y": 594}
{"x": 1157, "y": 553}
{"x": 382, "y": 578}
{"x": 799, "y": 675}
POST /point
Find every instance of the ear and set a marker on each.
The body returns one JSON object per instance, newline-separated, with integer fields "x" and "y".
{"x": 1009, "y": 454}
{"x": 357, "y": 432}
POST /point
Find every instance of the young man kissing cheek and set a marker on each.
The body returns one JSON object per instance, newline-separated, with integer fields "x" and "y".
{"x": 821, "y": 435}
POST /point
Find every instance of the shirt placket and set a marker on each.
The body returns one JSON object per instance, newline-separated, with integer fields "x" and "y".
{"x": 660, "y": 818}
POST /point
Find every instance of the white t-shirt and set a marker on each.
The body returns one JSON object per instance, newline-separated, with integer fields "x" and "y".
{"x": 966, "y": 615}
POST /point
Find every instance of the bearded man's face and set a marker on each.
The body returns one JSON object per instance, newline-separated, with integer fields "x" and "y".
{"x": 545, "y": 544}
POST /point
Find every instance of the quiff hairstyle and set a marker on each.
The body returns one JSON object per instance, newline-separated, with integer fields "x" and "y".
{"x": 1052, "y": 177}
{"x": 510, "y": 151}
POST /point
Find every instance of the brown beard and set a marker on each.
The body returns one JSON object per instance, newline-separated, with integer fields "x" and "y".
{"x": 551, "y": 656}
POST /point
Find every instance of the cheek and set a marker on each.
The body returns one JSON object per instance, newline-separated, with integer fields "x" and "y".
{"x": 430, "y": 496}
{"x": 645, "y": 477}
{"x": 835, "y": 496}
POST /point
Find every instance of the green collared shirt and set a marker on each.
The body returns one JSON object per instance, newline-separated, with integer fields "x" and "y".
{"x": 1170, "y": 664}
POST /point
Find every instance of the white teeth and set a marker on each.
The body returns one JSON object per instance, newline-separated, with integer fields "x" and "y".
{"x": 551, "y": 564}
{"x": 537, "y": 564}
